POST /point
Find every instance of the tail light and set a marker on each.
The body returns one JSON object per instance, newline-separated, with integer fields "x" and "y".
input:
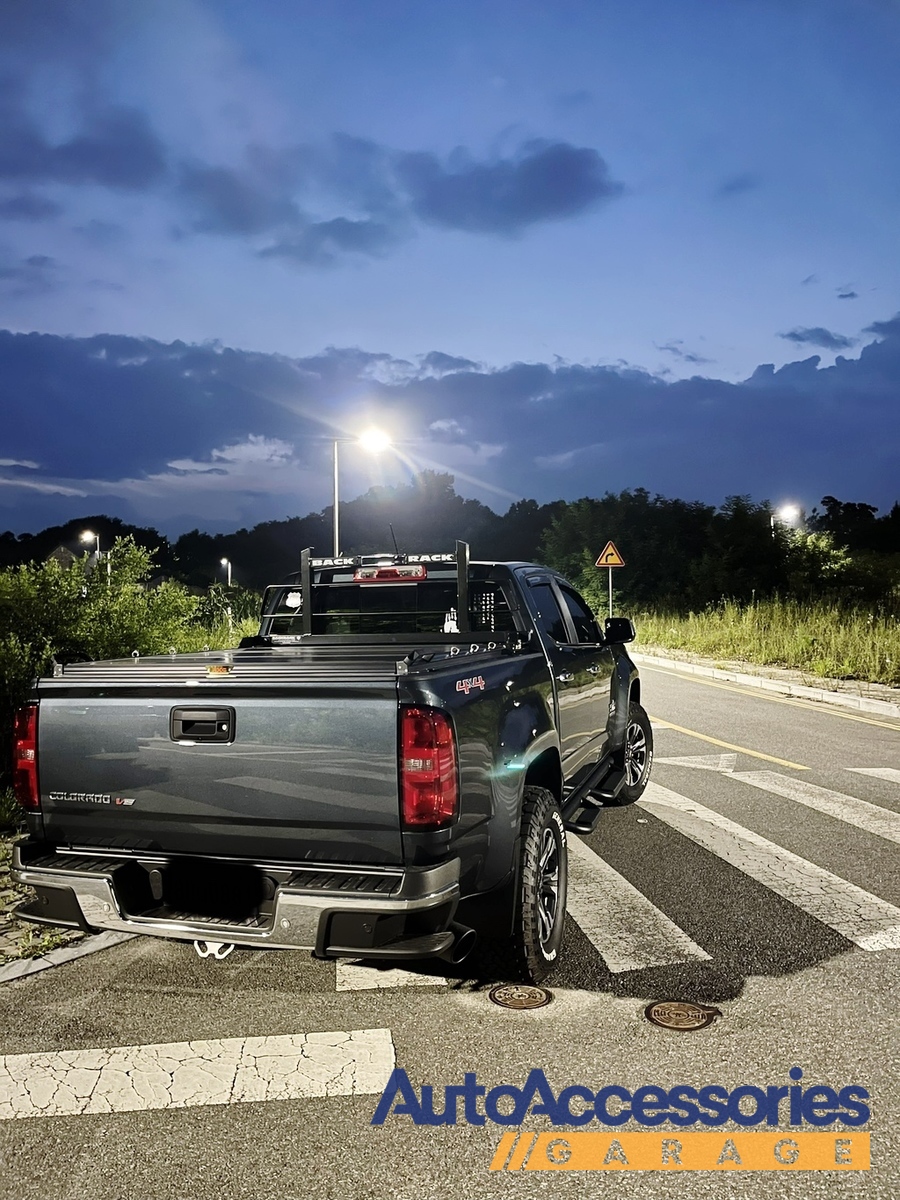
{"x": 428, "y": 775}
{"x": 25, "y": 778}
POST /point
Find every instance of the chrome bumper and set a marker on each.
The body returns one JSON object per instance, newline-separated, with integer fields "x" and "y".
{"x": 298, "y": 922}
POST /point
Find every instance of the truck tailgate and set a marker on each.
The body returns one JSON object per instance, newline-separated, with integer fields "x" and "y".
{"x": 308, "y": 770}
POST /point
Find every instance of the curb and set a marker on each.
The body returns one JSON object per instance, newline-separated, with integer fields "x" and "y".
{"x": 884, "y": 708}
{"x": 90, "y": 945}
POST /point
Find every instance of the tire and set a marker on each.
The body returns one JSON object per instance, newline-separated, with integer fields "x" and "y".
{"x": 539, "y": 913}
{"x": 637, "y": 755}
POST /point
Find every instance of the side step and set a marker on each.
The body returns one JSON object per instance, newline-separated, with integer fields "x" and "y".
{"x": 582, "y": 810}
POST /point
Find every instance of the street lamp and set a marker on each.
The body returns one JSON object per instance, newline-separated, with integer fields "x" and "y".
{"x": 226, "y": 563}
{"x": 373, "y": 440}
{"x": 786, "y": 515}
{"x": 89, "y": 536}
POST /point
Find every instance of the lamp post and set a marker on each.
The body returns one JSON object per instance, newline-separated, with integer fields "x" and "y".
{"x": 786, "y": 515}
{"x": 89, "y": 536}
{"x": 226, "y": 563}
{"x": 373, "y": 440}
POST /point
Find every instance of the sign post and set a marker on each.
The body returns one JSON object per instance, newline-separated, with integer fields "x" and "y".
{"x": 610, "y": 557}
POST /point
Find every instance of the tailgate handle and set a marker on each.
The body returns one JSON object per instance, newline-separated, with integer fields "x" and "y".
{"x": 202, "y": 725}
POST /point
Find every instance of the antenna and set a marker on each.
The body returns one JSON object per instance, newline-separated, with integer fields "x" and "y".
{"x": 394, "y": 540}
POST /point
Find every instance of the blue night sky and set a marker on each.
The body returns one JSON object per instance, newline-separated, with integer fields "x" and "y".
{"x": 555, "y": 248}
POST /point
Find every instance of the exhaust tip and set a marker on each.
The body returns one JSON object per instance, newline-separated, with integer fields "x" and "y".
{"x": 463, "y": 944}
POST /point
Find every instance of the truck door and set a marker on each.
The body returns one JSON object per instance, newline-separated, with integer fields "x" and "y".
{"x": 581, "y": 670}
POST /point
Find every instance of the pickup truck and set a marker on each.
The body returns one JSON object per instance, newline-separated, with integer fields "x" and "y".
{"x": 387, "y": 770}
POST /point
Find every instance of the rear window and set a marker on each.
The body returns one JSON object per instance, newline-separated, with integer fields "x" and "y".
{"x": 428, "y": 606}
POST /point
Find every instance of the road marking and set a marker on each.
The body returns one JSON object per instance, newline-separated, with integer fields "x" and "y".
{"x": 871, "y": 818}
{"x": 356, "y": 977}
{"x": 703, "y": 762}
{"x": 630, "y": 933}
{"x": 890, "y": 773}
{"x": 819, "y": 706}
{"x": 704, "y": 737}
{"x": 857, "y": 915}
{"x": 186, "y": 1074}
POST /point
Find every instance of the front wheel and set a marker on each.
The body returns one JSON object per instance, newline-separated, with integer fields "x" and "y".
{"x": 638, "y": 755}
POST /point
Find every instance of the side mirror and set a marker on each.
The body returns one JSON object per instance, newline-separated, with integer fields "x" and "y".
{"x": 618, "y": 629}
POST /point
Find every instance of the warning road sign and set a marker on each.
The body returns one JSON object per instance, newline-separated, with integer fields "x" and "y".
{"x": 610, "y": 557}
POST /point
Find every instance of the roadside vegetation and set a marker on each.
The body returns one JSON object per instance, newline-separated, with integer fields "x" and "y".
{"x": 822, "y": 639}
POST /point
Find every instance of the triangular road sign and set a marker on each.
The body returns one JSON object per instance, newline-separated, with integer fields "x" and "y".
{"x": 610, "y": 557}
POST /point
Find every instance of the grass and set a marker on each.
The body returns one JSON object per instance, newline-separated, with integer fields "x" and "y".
{"x": 822, "y": 639}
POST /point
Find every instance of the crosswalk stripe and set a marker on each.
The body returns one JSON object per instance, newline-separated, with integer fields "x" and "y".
{"x": 628, "y": 930}
{"x": 857, "y": 915}
{"x": 703, "y": 762}
{"x": 359, "y": 976}
{"x": 890, "y": 773}
{"x": 881, "y": 822}
{"x": 186, "y": 1074}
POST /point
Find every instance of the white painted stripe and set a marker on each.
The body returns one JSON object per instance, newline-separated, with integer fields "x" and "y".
{"x": 871, "y": 818}
{"x": 890, "y": 773}
{"x": 356, "y": 977}
{"x": 703, "y": 762}
{"x": 630, "y": 933}
{"x": 185, "y": 1074}
{"x": 866, "y": 920}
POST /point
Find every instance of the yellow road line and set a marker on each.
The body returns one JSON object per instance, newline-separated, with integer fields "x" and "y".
{"x": 704, "y": 737}
{"x": 820, "y": 706}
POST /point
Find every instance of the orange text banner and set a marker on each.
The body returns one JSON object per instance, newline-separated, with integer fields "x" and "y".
{"x": 601, "y": 1151}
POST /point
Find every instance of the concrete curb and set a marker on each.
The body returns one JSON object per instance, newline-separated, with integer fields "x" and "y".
{"x": 90, "y": 945}
{"x": 884, "y": 708}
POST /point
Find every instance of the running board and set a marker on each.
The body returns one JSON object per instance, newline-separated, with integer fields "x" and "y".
{"x": 581, "y": 811}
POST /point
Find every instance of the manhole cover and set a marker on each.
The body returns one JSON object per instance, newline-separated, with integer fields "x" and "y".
{"x": 680, "y": 1014}
{"x": 520, "y": 995}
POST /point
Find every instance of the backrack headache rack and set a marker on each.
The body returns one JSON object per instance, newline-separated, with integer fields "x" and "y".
{"x": 461, "y": 558}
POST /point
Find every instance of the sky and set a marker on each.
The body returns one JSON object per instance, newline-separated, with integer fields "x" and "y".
{"x": 553, "y": 247}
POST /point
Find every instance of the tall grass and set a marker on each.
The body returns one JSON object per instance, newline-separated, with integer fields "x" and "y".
{"x": 823, "y": 639}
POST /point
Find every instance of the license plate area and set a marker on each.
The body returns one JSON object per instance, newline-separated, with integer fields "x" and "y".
{"x": 196, "y": 889}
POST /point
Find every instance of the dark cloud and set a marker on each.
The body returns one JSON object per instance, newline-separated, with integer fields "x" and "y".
{"x": 675, "y": 349}
{"x": 848, "y": 295}
{"x": 116, "y": 148}
{"x": 323, "y": 243}
{"x": 737, "y": 185}
{"x": 33, "y": 276}
{"x": 146, "y": 428}
{"x": 809, "y": 279}
{"x": 544, "y": 181}
{"x": 232, "y": 202}
{"x": 817, "y": 336}
{"x": 26, "y": 206}
{"x": 443, "y": 364}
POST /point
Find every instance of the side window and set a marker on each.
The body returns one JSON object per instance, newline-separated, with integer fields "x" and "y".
{"x": 582, "y": 617}
{"x": 549, "y": 618}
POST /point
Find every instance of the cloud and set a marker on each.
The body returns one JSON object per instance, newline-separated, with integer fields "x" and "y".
{"x": 817, "y": 336}
{"x": 323, "y": 243}
{"x": 36, "y": 275}
{"x": 809, "y": 279}
{"x": 440, "y": 364}
{"x": 26, "y": 206}
{"x": 737, "y": 185}
{"x": 543, "y": 181}
{"x": 851, "y": 295}
{"x": 116, "y": 148}
{"x": 190, "y": 434}
{"x": 231, "y": 202}
{"x": 674, "y": 348}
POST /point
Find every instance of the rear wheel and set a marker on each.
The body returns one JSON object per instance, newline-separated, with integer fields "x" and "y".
{"x": 538, "y": 919}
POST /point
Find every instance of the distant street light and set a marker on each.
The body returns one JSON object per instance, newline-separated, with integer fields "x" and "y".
{"x": 788, "y": 514}
{"x": 226, "y": 563}
{"x": 373, "y": 440}
{"x": 89, "y": 536}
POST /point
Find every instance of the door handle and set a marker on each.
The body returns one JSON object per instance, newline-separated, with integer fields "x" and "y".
{"x": 566, "y": 676}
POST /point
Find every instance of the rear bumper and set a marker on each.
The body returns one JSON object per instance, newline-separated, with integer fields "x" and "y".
{"x": 333, "y": 910}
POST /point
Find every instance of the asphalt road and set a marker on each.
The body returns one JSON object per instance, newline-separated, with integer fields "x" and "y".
{"x": 759, "y": 874}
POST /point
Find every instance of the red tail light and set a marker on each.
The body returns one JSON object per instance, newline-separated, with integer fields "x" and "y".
{"x": 428, "y": 777}
{"x": 25, "y": 778}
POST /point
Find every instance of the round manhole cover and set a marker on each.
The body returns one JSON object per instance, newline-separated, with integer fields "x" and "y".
{"x": 520, "y": 995}
{"x": 680, "y": 1014}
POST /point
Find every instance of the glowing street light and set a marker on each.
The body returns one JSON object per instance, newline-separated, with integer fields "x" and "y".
{"x": 787, "y": 514}
{"x": 89, "y": 536}
{"x": 373, "y": 440}
{"x": 226, "y": 563}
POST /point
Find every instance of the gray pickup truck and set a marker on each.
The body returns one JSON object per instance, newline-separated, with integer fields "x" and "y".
{"x": 387, "y": 770}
